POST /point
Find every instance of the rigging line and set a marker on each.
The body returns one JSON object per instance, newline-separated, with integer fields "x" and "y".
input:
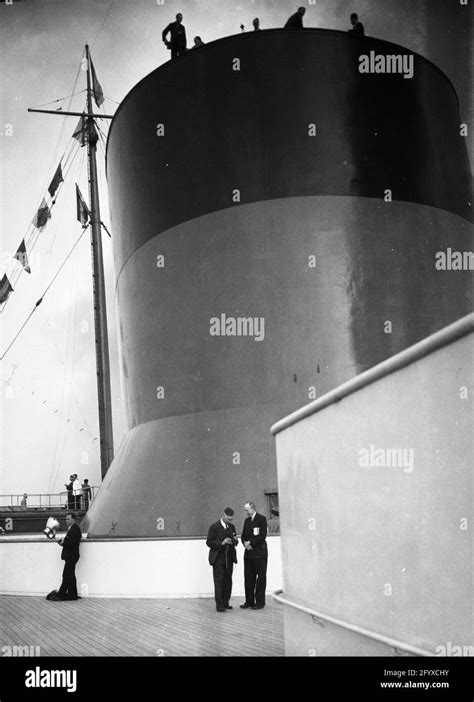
{"x": 44, "y": 293}
{"x": 16, "y": 269}
{"x": 79, "y": 169}
{"x": 32, "y": 233}
{"x": 63, "y": 125}
{"x": 103, "y": 22}
{"x": 43, "y": 104}
{"x": 86, "y": 426}
{"x": 73, "y": 293}
{"x": 102, "y": 134}
{"x": 111, "y": 99}
{"x": 54, "y": 159}
{"x": 57, "y": 143}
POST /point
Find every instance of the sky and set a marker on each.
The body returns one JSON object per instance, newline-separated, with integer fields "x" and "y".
{"x": 49, "y": 422}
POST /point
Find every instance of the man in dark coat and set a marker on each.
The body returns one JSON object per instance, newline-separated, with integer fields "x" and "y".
{"x": 70, "y": 497}
{"x": 256, "y": 557}
{"x": 296, "y": 20}
{"x": 222, "y": 539}
{"x": 70, "y": 556}
{"x": 177, "y": 42}
{"x": 357, "y": 27}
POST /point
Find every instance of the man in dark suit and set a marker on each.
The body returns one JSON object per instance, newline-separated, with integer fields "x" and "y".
{"x": 222, "y": 539}
{"x": 296, "y": 20}
{"x": 177, "y": 42}
{"x": 70, "y": 556}
{"x": 256, "y": 557}
{"x": 357, "y": 27}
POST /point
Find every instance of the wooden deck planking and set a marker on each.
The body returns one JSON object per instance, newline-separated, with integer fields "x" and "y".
{"x": 140, "y": 627}
{"x": 51, "y": 626}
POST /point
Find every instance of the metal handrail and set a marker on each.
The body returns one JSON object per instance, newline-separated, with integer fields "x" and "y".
{"x": 14, "y": 500}
{"x": 387, "y": 640}
{"x": 443, "y": 337}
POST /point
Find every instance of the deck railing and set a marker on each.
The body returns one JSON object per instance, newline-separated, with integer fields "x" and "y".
{"x": 46, "y": 501}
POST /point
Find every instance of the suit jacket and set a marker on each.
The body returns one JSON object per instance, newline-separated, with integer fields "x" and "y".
{"x": 255, "y": 531}
{"x": 71, "y": 541}
{"x": 177, "y": 35}
{"x": 294, "y": 22}
{"x": 215, "y": 537}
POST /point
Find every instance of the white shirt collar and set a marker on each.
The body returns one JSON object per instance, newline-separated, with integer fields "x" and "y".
{"x": 223, "y": 524}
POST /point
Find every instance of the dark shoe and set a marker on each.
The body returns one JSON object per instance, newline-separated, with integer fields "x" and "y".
{"x": 245, "y": 605}
{"x": 228, "y": 607}
{"x": 220, "y": 609}
{"x": 258, "y": 606}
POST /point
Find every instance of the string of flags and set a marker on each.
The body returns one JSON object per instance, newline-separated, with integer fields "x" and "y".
{"x": 5, "y": 289}
{"x": 85, "y": 133}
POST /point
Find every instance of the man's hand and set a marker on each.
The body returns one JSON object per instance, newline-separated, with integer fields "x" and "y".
{"x": 226, "y": 541}
{"x": 248, "y": 546}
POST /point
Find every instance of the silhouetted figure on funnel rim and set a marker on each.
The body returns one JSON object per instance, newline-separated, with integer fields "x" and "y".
{"x": 197, "y": 43}
{"x": 177, "y": 42}
{"x": 296, "y": 20}
{"x": 256, "y": 24}
{"x": 357, "y": 27}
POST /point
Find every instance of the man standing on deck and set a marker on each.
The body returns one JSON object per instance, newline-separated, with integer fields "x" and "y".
{"x": 222, "y": 539}
{"x": 254, "y": 536}
{"x": 70, "y": 556}
{"x": 76, "y": 492}
{"x": 177, "y": 42}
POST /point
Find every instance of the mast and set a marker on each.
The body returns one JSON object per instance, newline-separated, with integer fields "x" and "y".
{"x": 100, "y": 310}
{"x": 98, "y": 281}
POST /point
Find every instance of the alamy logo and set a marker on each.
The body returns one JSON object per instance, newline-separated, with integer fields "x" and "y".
{"x": 12, "y": 651}
{"x": 453, "y": 650}
{"x": 237, "y": 326}
{"x": 450, "y": 260}
{"x": 373, "y": 457}
{"x": 51, "y": 678}
{"x": 393, "y": 63}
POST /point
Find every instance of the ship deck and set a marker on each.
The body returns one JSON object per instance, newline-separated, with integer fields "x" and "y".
{"x": 140, "y": 627}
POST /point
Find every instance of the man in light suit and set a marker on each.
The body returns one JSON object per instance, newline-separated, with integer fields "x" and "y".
{"x": 70, "y": 556}
{"x": 221, "y": 540}
{"x": 254, "y": 536}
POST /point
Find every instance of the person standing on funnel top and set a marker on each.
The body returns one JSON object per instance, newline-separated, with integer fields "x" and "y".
{"x": 177, "y": 42}
{"x": 296, "y": 20}
{"x": 357, "y": 27}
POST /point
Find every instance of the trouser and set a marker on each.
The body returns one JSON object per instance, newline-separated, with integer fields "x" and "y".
{"x": 255, "y": 578}
{"x": 222, "y": 582}
{"x": 177, "y": 51}
{"x": 69, "y": 585}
